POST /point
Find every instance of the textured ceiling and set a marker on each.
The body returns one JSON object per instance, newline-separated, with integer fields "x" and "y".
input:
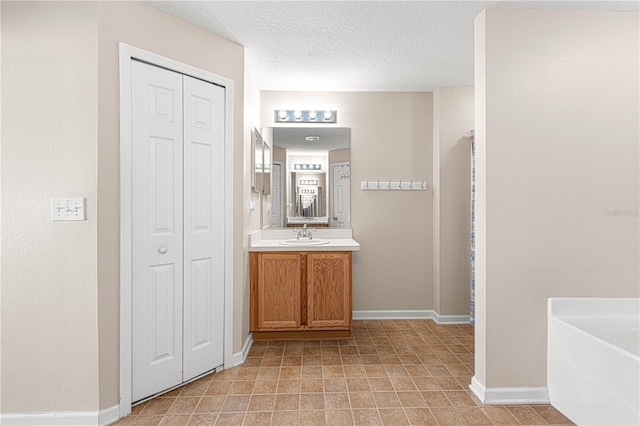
{"x": 355, "y": 45}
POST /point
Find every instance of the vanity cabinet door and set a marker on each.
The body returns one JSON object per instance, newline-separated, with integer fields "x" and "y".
{"x": 329, "y": 290}
{"x": 277, "y": 290}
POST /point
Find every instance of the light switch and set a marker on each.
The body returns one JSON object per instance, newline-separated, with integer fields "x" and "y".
{"x": 252, "y": 207}
{"x": 67, "y": 209}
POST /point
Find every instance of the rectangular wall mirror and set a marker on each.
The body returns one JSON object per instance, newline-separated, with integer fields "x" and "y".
{"x": 310, "y": 176}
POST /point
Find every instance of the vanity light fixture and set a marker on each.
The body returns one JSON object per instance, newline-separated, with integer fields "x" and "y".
{"x": 307, "y": 167}
{"x": 309, "y": 182}
{"x": 305, "y": 116}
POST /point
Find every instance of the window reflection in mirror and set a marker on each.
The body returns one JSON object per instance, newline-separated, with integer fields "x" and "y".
{"x": 310, "y": 176}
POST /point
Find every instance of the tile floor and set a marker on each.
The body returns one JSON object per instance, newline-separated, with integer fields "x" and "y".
{"x": 392, "y": 372}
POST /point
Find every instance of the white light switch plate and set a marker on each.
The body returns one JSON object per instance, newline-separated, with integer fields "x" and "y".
{"x": 67, "y": 209}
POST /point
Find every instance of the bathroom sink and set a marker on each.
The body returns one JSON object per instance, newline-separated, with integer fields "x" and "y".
{"x": 304, "y": 242}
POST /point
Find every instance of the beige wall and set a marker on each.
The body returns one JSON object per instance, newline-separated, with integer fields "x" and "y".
{"x": 60, "y": 281}
{"x": 49, "y": 149}
{"x": 339, "y": 156}
{"x": 453, "y": 118}
{"x": 391, "y": 135}
{"x": 480, "y": 98}
{"x": 559, "y": 131}
{"x": 251, "y": 220}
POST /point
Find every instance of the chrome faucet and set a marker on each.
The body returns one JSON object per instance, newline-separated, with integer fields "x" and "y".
{"x": 305, "y": 233}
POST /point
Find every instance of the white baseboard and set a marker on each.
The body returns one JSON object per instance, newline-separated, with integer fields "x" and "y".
{"x": 241, "y": 357}
{"x": 109, "y": 415}
{"x": 423, "y": 314}
{"x": 478, "y": 389}
{"x": 509, "y": 396}
{"x": 62, "y": 418}
{"x": 451, "y": 319}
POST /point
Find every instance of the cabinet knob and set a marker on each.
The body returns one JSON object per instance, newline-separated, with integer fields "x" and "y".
{"x": 162, "y": 250}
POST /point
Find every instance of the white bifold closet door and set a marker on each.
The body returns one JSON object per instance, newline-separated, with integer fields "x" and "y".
{"x": 178, "y": 228}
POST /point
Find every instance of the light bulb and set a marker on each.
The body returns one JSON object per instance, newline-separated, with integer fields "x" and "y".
{"x": 312, "y": 115}
{"x": 328, "y": 115}
{"x": 297, "y": 114}
{"x": 282, "y": 114}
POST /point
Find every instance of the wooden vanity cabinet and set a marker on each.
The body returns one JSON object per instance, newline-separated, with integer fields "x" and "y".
{"x": 298, "y": 295}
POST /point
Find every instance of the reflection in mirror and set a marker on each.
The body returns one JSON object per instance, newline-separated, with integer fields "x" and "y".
{"x": 256, "y": 160}
{"x": 266, "y": 167}
{"x": 310, "y": 177}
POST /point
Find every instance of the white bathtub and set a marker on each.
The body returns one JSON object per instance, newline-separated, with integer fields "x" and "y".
{"x": 593, "y": 360}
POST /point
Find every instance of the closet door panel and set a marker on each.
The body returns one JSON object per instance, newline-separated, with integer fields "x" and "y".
{"x": 157, "y": 229}
{"x": 203, "y": 226}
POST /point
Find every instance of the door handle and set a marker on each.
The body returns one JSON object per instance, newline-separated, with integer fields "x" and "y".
{"x": 162, "y": 250}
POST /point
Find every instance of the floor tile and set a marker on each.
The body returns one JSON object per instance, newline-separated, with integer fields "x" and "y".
{"x": 257, "y": 419}
{"x": 261, "y": 403}
{"x": 286, "y": 402}
{"x": 357, "y": 384}
{"x": 473, "y": 416}
{"x": 235, "y": 403}
{"x": 202, "y": 419}
{"x": 312, "y": 401}
{"x": 393, "y": 417}
{"x": 551, "y": 415}
{"x": 447, "y": 416}
{"x": 183, "y": 405}
{"x": 338, "y": 418}
{"x": 361, "y": 400}
{"x": 170, "y": 420}
{"x": 411, "y": 399}
{"x": 229, "y": 419}
{"x": 499, "y": 415}
{"x": 391, "y": 372}
{"x": 526, "y": 415}
{"x": 151, "y": 420}
{"x": 209, "y": 404}
{"x": 284, "y": 418}
{"x": 312, "y": 418}
{"x": 420, "y": 416}
{"x": 386, "y": 399}
{"x": 366, "y": 418}
{"x": 435, "y": 399}
{"x": 336, "y": 401}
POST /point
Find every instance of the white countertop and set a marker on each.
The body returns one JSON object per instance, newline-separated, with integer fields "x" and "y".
{"x": 269, "y": 240}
